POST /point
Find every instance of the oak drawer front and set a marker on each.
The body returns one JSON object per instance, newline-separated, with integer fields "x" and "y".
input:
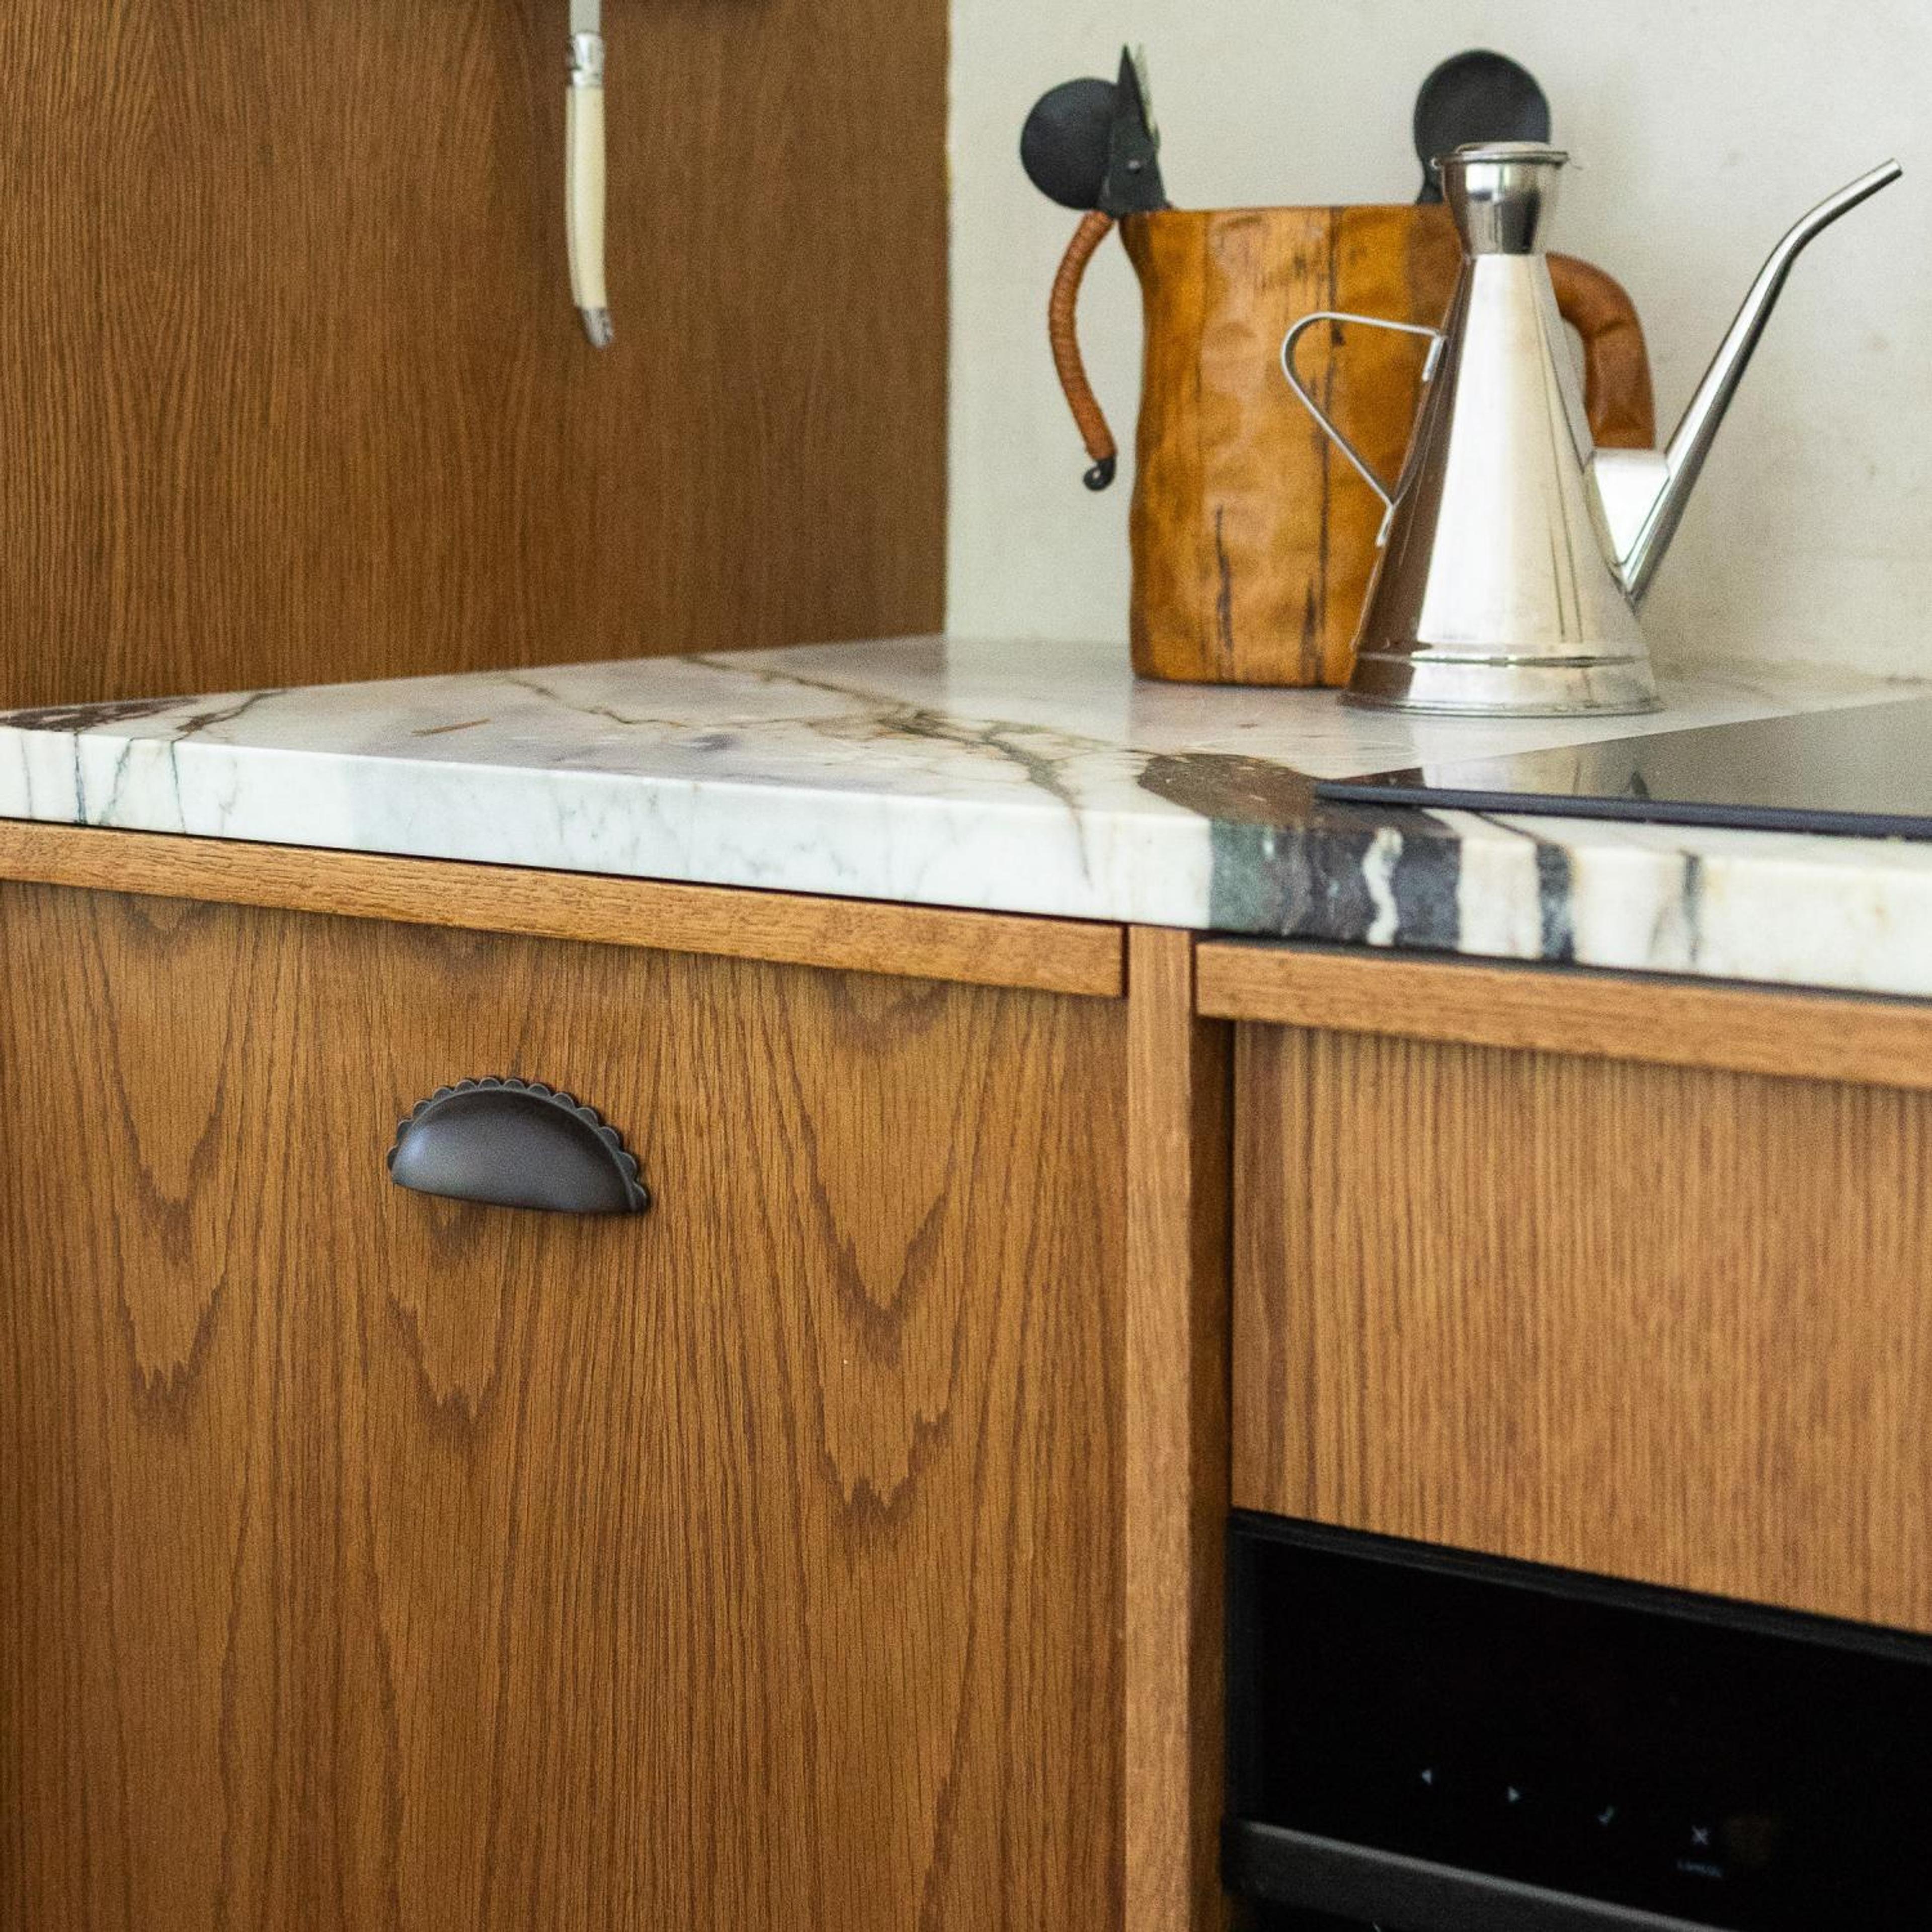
{"x": 748, "y": 1561}
{"x": 1648, "y": 1321}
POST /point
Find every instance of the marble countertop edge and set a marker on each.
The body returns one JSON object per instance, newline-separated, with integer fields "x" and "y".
{"x": 1004, "y": 777}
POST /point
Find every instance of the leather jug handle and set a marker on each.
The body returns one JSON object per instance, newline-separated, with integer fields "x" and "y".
{"x": 1616, "y": 365}
{"x": 1088, "y": 416}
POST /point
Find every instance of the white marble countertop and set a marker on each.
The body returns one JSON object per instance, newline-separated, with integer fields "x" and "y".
{"x": 1020, "y": 777}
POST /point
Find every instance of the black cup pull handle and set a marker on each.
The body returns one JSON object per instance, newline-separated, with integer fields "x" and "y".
{"x": 516, "y": 1144}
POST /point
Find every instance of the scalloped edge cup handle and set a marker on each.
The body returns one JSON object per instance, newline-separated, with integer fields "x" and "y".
{"x": 509, "y": 1143}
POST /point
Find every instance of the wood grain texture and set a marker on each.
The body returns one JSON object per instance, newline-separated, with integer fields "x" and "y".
{"x": 917, "y": 942}
{"x": 369, "y": 1561}
{"x": 1253, "y": 539}
{"x": 1176, "y": 1428}
{"x": 1643, "y": 1017}
{"x": 294, "y": 391}
{"x": 1645, "y": 1321}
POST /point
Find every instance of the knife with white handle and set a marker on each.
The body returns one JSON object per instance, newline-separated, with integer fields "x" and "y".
{"x": 583, "y": 138}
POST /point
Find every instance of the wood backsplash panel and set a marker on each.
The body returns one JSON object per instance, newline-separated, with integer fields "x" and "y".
{"x": 293, "y": 387}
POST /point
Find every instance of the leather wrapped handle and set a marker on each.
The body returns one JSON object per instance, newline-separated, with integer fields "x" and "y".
{"x": 1616, "y": 365}
{"x": 1062, "y": 333}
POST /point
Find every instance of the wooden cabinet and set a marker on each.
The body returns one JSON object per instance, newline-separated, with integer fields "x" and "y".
{"x": 1511, "y": 1277}
{"x": 838, "y": 1543}
{"x": 371, "y": 1560}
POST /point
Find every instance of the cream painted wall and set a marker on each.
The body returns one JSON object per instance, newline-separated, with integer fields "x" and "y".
{"x": 1700, "y": 130}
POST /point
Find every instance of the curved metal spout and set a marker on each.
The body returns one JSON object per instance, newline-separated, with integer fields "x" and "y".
{"x": 1683, "y": 460}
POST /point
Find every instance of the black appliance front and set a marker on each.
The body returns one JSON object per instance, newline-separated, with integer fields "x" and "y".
{"x": 1433, "y": 1742}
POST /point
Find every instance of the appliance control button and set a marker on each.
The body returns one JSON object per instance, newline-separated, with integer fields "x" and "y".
{"x": 1698, "y": 1856}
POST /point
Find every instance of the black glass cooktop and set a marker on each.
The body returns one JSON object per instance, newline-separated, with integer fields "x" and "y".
{"x": 1868, "y": 770}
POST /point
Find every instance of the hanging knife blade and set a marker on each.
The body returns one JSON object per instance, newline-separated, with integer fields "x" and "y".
{"x": 584, "y": 188}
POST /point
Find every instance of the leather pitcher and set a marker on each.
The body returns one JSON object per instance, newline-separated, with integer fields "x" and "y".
{"x": 1253, "y": 540}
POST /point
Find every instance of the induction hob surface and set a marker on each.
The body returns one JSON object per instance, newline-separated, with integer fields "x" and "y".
{"x": 1865, "y": 772}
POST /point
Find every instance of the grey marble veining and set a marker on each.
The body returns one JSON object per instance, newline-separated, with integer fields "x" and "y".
{"x": 1018, "y": 777}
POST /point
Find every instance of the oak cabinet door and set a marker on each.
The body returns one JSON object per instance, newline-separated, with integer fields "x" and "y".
{"x": 372, "y": 1560}
{"x": 1656, "y": 1321}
